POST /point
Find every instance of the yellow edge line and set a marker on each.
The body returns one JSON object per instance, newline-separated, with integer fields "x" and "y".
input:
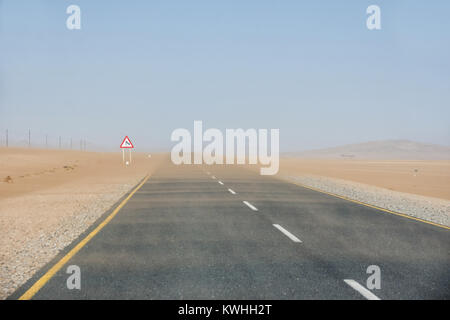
{"x": 372, "y": 206}
{"x": 53, "y": 270}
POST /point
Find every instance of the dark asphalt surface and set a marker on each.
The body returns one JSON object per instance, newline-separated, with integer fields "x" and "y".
{"x": 185, "y": 236}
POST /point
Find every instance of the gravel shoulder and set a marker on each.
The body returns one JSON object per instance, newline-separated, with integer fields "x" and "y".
{"x": 427, "y": 208}
{"x": 31, "y": 243}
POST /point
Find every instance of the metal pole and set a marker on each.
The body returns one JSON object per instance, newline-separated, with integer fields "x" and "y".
{"x": 7, "y": 138}
{"x": 29, "y": 138}
{"x": 46, "y": 141}
{"x": 60, "y": 142}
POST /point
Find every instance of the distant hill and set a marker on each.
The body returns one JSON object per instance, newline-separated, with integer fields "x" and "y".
{"x": 386, "y": 149}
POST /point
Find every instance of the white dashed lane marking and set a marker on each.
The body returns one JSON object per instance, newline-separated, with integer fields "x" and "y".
{"x": 365, "y": 292}
{"x": 287, "y": 233}
{"x": 250, "y": 205}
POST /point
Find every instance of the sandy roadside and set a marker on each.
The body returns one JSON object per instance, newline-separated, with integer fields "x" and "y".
{"x": 51, "y": 197}
{"x": 426, "y": 178}
{"x": 420, "y": 189}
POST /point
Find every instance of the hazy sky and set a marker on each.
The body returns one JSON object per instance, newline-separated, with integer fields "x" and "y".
{"x": 144, "y": 68}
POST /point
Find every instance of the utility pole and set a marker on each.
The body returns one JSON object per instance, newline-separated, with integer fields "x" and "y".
{"x": 60, "y": 142}
{"x": 29, "y": 138}
{"x": 70, "y": 143}
{"x": 7, "y": 138}
{"x": 46, "y": 141}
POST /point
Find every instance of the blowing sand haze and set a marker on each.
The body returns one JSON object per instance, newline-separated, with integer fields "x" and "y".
{"x": 231, "y": 154}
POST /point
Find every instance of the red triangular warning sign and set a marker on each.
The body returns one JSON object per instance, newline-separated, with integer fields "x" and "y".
{"x": 126, "y": 143}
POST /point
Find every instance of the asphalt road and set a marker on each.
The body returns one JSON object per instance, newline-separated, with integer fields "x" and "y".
{"x": 187, "y": 234}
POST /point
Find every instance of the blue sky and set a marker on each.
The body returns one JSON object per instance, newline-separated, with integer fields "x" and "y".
{"x": 144, "y": 68}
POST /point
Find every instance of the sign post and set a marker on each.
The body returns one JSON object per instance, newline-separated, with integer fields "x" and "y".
{"x": 126, "y": 144}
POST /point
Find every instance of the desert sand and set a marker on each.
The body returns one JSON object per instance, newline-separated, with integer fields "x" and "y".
{"x": 429, "y": 178}
{"x": 32, "y": 170}
{"x": 49, "y": 197}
